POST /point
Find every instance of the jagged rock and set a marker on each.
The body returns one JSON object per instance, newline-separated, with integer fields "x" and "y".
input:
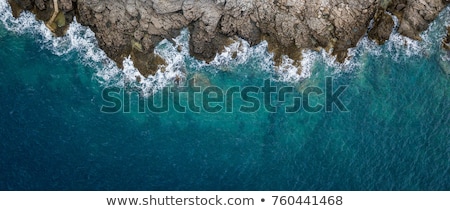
{"x": 40, "y": 4}
{"x": 134, "y": 27}
{"x": 65, "y": 5}
{"x": 382, "y": 28}
{"x": 445, "y": 63}
{"x": 167, "y": 6}
{"x": 25, "y": 4}
{"x": 415, "y": 15}
{"x": 446, "y": 41}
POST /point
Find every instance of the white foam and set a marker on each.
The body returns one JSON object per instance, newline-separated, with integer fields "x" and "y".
{"x": 240, "y": 52}
{"x": 288, "y": 72}
{"x": 244, "y": 53}
{"x": 445, "y": 16}
{"x": 310, "y": 58}
{"x": 402, "y": 48}
{"x": 82, "y": 41}
{"x": 24, "y": 24}
{"x": 398, "y": 47}
{"x": 225, "y": 58}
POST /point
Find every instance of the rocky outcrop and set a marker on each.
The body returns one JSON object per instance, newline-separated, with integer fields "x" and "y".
{"x": 445, "y": 63}
{"x": 134, "y": 27}
{"x": 57, "y": 14}
{"x": 415, "y": 15}
{"x": 446, "y": 41}
{"x": 383, "y": 23}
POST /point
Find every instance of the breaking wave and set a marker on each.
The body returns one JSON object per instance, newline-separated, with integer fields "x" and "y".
{"x": 82, "y": 41}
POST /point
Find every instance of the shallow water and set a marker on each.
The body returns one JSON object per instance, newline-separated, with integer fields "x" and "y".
{"x": 395, "y": 136}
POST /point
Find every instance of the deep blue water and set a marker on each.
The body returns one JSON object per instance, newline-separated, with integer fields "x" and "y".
{"x": 396, "y": 135}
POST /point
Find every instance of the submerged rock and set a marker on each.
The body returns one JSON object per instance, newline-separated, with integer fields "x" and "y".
{"x": 60, "y": 20}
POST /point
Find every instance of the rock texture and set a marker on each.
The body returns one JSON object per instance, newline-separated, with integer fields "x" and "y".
{"x": 446, "y": 41}
{"x": 134, "y": 27}
{"x": 445, "y": 63}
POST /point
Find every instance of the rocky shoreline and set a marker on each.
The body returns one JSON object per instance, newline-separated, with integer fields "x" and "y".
{"x": 446, "y": 41}
{"x": 133, "y": 27}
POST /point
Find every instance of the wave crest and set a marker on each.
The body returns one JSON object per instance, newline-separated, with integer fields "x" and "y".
{"x": 81, "y": 41}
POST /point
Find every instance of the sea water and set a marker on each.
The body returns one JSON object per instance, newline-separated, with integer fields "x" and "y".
{"x": 54, "y": 135}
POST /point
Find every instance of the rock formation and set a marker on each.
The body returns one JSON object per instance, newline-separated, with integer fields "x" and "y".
{"x": 446, "y": 41}
{"x": 133, "y": 27}
{"x": 445, "y": 64}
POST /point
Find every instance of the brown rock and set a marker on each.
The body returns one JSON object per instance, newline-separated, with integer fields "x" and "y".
{"x": 446, "y": 41}
{"x": 40, "y": 4}
{"x": 65, "y": 5}
{"x": 134, "y": 27}
{"x": 382, "y": 28}
{"x": 167, "y": 6}
{"x": 415, "y": 15}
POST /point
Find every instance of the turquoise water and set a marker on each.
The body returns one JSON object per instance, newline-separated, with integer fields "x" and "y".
{"x": 395, "y": 136}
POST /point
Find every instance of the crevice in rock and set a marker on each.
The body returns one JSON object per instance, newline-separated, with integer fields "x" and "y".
{"x": 133, "y": 27}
